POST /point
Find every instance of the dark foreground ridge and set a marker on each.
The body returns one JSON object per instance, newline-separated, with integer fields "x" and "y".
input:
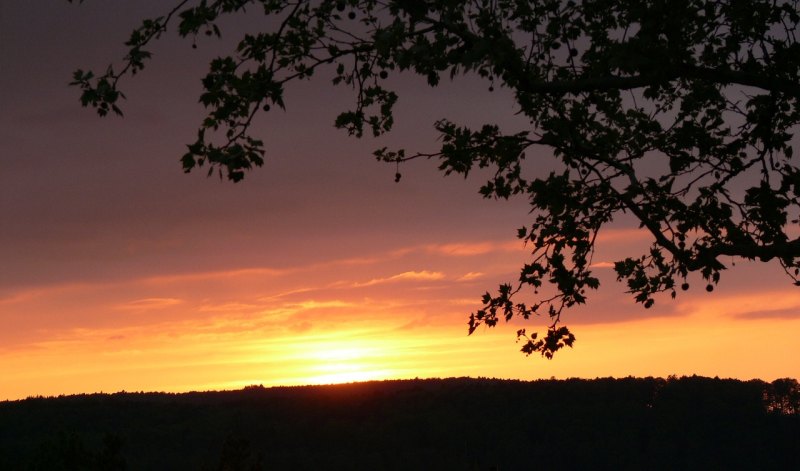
{"x": 459, "y": 423}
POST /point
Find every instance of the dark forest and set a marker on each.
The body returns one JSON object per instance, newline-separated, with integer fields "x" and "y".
{"x": 631, "y": 423}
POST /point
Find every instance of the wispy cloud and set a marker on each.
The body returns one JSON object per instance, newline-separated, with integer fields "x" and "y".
{"x": 473, "y": 275}
{"x": 623, "y": 235}
{"x": 284, "y": 294}
{"x": 149, "y": 303}
{"x": 232, "y": 307}
{"x": 468, "y": 249}
{"x": 221, "y": 274}
{"x": 602, "y": 265}
{"x": 791, "y": 313}
{"x": 423, "y": 275}
{"x": 768, "y": 304}
{"x": 312, "y": 304}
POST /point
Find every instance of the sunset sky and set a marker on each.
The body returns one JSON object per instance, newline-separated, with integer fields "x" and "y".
{"x": 120, "y": 272}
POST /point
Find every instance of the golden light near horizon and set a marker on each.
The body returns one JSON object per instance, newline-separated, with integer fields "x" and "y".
{"x": 703, "y": 336}
{"x": 276, "y": 330}
{"x": 342, "y": 360}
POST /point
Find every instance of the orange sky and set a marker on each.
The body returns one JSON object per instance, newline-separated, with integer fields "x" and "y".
{"x": 120, "y": 272}
{"x": 401, "y": 315}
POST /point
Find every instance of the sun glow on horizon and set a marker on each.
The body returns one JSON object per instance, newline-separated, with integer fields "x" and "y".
{"x": 343, "y": 361}
{"x": 328, "y": 325}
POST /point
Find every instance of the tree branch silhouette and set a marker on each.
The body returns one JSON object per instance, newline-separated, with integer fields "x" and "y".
{"x": 681, "y": 114}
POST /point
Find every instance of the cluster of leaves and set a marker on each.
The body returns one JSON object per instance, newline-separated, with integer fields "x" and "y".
{"x": 680, "y": 113}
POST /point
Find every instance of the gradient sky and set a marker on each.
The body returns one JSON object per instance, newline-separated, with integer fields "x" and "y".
{"x": 119, "y": 272}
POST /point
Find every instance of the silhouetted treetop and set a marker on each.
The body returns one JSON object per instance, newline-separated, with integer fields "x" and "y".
{"x": 679, "y": 113}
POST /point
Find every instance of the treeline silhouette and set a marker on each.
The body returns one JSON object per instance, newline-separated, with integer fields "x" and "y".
{"x": 460, "y": 423}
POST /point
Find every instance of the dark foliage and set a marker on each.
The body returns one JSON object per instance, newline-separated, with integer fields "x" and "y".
{"x": 680, "y": 114}
{"x": 649, "y": 423}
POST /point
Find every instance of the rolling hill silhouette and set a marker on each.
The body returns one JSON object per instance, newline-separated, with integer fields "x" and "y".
{"x": 458, "y": 423}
